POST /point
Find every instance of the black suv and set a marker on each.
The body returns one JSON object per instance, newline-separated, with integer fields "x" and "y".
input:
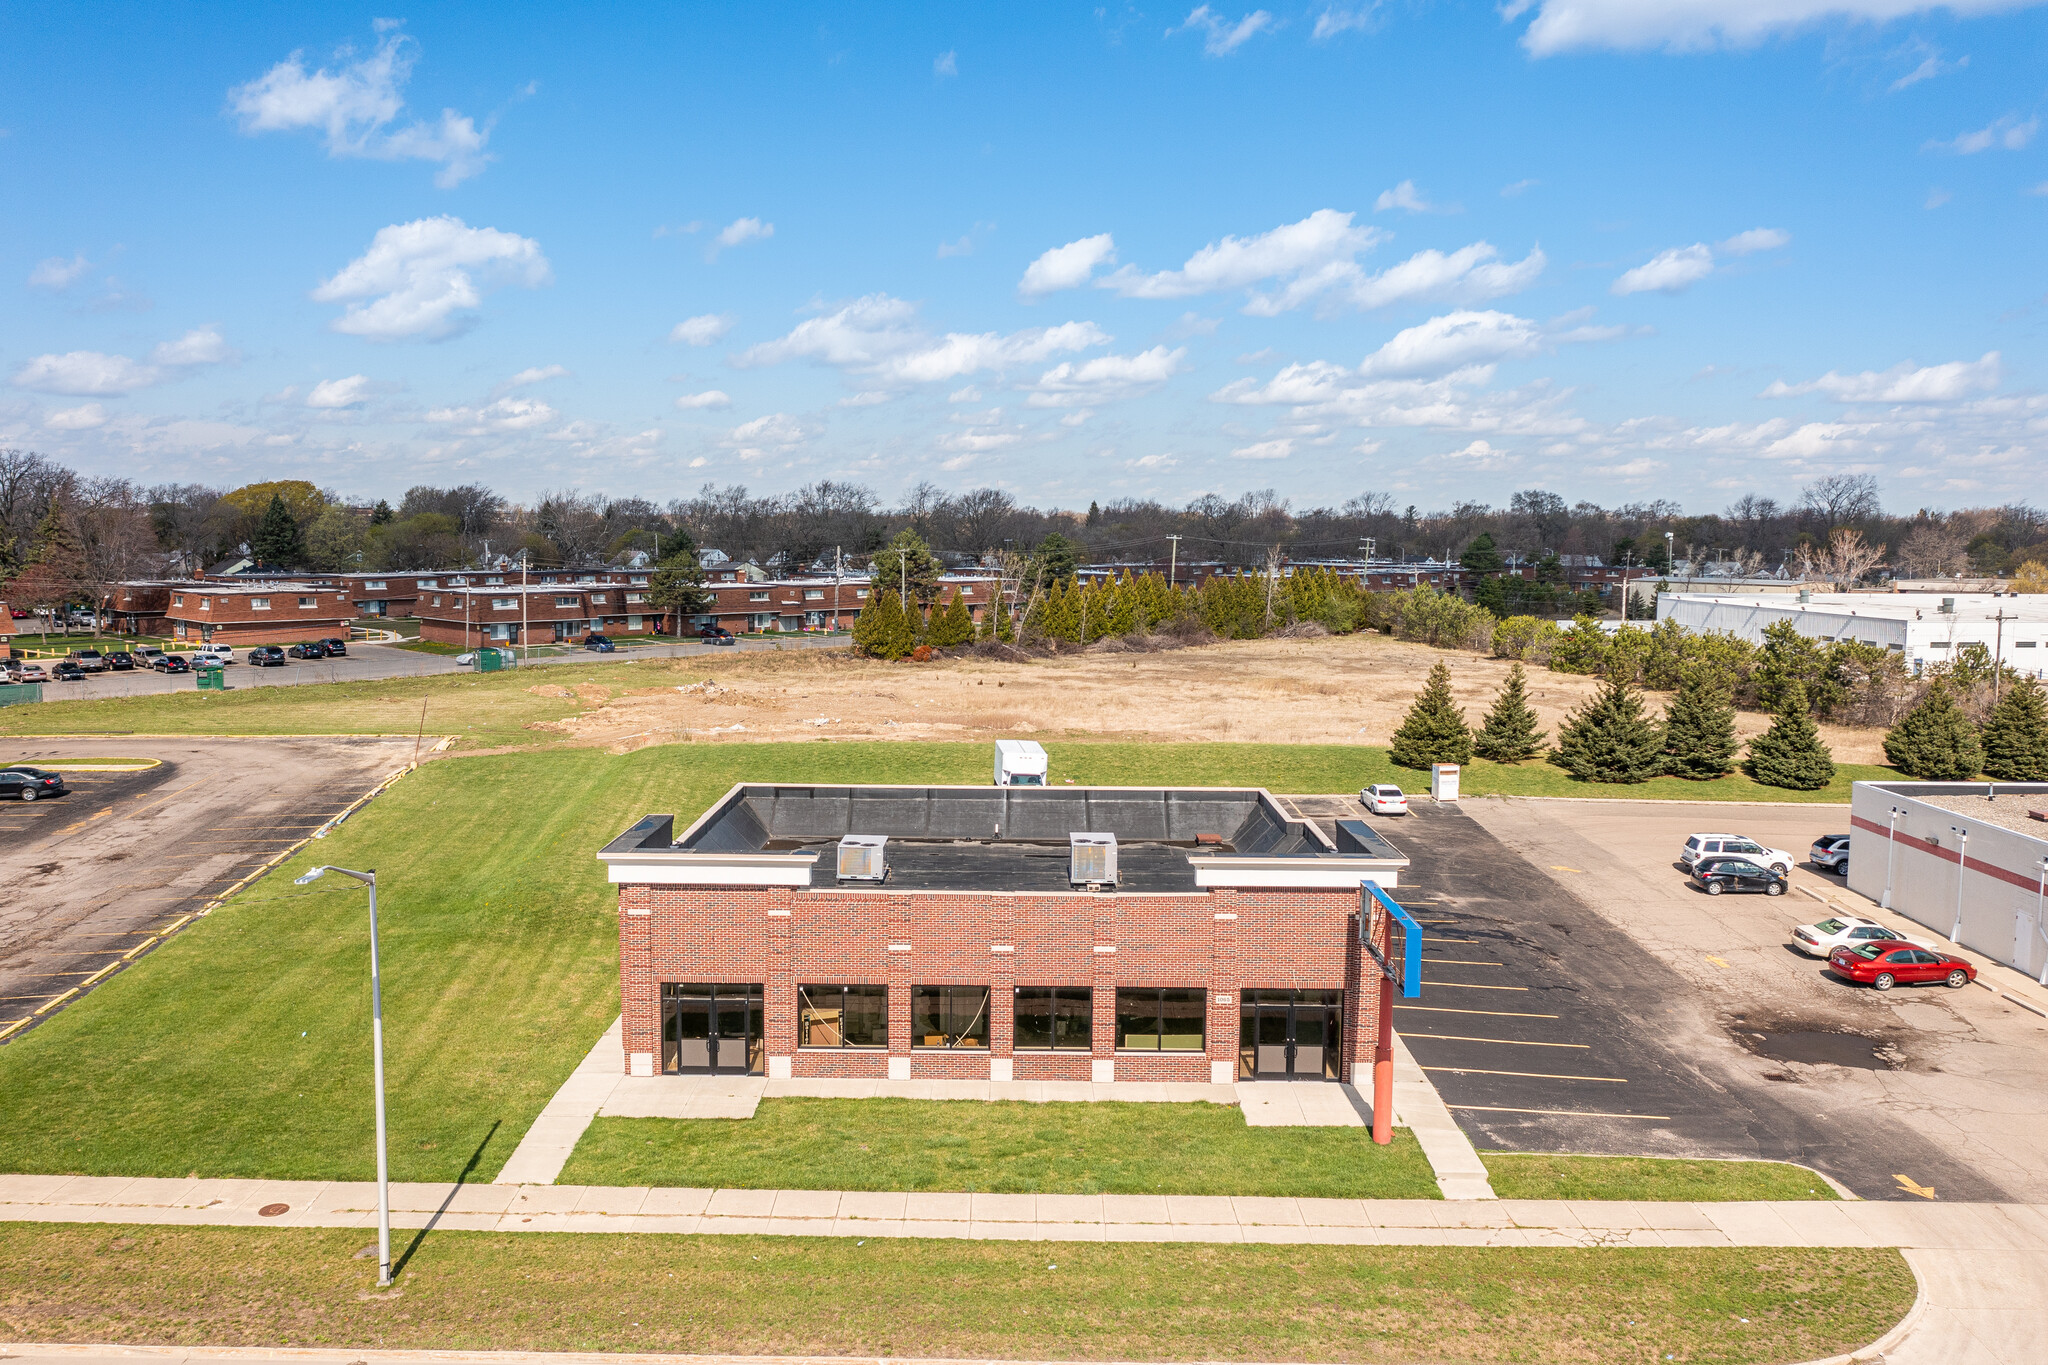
{"x": 337, "y": 648}
{"x": 306, "y": 649}
{"x": 30, "y": 784}
{"x": 1716, "y": 875}
{"x": 267, "y": 656}
{"x": 121, "y": 661}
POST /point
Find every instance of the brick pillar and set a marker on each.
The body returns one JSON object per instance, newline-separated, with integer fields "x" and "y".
{"x": 779, "y": 997}
{"x": 639, "y": 993}
{"x": 1103, "y": 980}
{"x": 1002, "y": 985}
{"x": 1226, "y": 991}
{"x": 901, "y": 978}
{"x": 1362, "y": 985}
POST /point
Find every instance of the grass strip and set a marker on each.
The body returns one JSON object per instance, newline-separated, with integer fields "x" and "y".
{"x": 1537, "y": 1175}
{"x": 1005, "y": 1147}
{"x": 958, "y": 1299}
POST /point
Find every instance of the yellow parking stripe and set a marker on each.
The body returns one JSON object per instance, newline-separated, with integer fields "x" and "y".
{"x": 1512, "y": 1042}
{"x": 1496, "y": 1014}
{"x": 1558, "y": 1113}
{"x": 1461, "y": 962}
{"x": 1474, "y": 986}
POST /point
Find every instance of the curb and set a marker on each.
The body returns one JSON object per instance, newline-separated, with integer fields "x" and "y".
{"x": 1881, "y": 1348}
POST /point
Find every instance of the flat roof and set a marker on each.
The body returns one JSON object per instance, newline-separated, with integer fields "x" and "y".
{"x": 1893, "y": 606}
{"x": 1007, "y": 839}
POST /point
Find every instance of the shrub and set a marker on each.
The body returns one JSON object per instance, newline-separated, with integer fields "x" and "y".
{"x": 2015, "y": 738}
{"x": 1935, "y": 740}
{"x": 1434, "y": 730}
{"x": 1580, "y": 648}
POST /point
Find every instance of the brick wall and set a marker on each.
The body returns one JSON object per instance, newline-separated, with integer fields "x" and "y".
{"x": 782, "y": 938}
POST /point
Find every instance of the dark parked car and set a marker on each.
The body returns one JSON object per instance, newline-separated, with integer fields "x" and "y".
{"x": 171, "y": 663}
{"x": 336, "y": 647}
{"x": 67, "y": 670}
{"x": 267, "y": 656}
{"x": 1884, "y": 965}
{"x": 306, "y": 649}
{"x": 718, "y": 635}
{"x": 121, "y": 661}
{"x": 601, "y": 644}
{"x": 1716, "y": 875}
{"x": 30, "y": 784}
{"x": 91, "y": 660}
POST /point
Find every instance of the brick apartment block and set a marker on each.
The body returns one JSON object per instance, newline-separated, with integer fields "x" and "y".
{"x": 1227, "y": 946}
{"x": 237, "y": 613}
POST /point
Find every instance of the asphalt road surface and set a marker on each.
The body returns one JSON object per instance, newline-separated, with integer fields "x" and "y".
{"x": 1551, "y": 1024}
{"x": 95, "y": 876}
{"x": 369, "y": 661}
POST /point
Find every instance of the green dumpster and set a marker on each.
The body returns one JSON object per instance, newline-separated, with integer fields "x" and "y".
{"x": 213, "y": 680}
{"x": 489, "y": 661}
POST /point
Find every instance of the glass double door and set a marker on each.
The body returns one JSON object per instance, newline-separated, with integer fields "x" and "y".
{"x": 711, "y": 1030}
{"x": 1290, "y": 1035}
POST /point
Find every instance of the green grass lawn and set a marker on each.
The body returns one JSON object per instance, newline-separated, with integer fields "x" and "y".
{"x": 1002, "y": 1148}
{"x": 957, "y": 1299}
{"x": 417, "y": 646}
{"x": 1519, "y": 1175}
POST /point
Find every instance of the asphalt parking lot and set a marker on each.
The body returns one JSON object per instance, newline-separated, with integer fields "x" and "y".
{"x": 366, "y": 661}
{"x": 1578, "y": 996}
{"x": 98, "y": 877}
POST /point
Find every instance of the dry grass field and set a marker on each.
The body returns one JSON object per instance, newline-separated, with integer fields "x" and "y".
{"x": 1337, "y": 690}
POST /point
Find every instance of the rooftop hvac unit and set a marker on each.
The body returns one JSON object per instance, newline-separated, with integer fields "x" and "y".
{"x": 862, "y": 858}
{"x": 1091, "y": 859}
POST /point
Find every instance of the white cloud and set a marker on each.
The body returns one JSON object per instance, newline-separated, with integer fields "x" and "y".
{"x": 1471, "y": 274}
{"x": 200, "y": 346}
{"x": 1067, "y": 267}
{"x": 1334, "y": 21}
{"x": 1224, "y": 37}
{"x": 355, "y": 107}
{"x": 963, "y": 247}
{"x": 1518, "y": 188}
{"x": 1936, "y": 198}
{"x": 339, "y": 393}
{"x": 1696, "y": 25}
{"x": 426, "y": 279}
{"x": 97, "y": 374}
{"x": 534, "y": 375}
{"x": 737, "y": 233}
{"x": 1406, "y": 196}
{"x": 2040, "y": 190}
{"x": 57, "y": 274}
{"x": 970, "y": 394}
{"x": 776, "y": 434}
{"x": 878, "y": 336}
{"x": 1160, "y": 463}
{"x": 503, "y": 416}
{"x": 2006, "y": 132}
{"x": 1902, "y": 383}
{"x": 710, "y": 398}
{"x": 1321, "y": 392}
{"x": 1928, "y": 69}
{"x": 1277, "y": 449}
{"x": 1290, "y": 251}
{"x": 866, "y": 398}
{"x": 701, "y": 330}
{"x": 1452, "y": 342}
{"x": 81, "y": 418}
{"x": 1106, "y": 378}
{"x": 1754, "y": 240}
{"x": 946, "y": 64}
{"x": 1668, "y": 272}
{"x": 1477, "y": 450}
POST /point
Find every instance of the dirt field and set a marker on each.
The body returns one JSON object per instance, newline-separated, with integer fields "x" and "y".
{"x": 1349, "y": 689}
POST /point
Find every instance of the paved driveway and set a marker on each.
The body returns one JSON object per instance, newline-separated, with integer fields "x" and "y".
{"x": 95, "y": 876}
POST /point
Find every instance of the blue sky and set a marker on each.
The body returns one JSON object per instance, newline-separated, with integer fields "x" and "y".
{"x": 1623, "y": 251}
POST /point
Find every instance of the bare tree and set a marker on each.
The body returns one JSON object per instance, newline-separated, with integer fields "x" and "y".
{"x": 1841, "y": 498}
{"x": 1931, "y": 551}
{"x": 1847, "y": 557}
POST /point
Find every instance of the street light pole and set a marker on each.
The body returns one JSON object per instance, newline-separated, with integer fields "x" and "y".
{"x": 1962, "y": 865}
{"x": 369, "y": 879}
{"x": 1891, "y": 845}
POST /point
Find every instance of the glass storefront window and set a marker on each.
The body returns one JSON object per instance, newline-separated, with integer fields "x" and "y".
{"x": 842, "y": 1016}
{"x": 949, "y": 1016}
{"x": 1055, "y": 1018}
{"x": 1161, "y": 1019}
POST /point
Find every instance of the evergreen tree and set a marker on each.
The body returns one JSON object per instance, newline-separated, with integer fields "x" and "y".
{"x": 381, "y": 514}
{"x": 1935, "y": 741}
{"x": 1056, "y": 556}
{"x": 678, "y": 584}
{"x": 2015, "y": 736}
{"x": 278, "y": 540}
{"x": 907, "y": 567}
{"x": 1482, "y": 556}
{"x": 1790, "y": 753}
{"x": 1580, "y": 648}
{"x": 1094, "y": 514}
{"x": 882, "y": 631}
{"x": 1434, "y": 730}
{"x": 1510, "y": 734}
{"x": 1699, "y": 728}
{"x": 1609, "y": 739}
{"x": 952, "y": 626}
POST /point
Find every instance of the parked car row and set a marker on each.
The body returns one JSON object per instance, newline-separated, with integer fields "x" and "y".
{"x": 86, "y": 660}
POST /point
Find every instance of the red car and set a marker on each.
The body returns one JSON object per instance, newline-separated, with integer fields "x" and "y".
{"x": 1882, "y": 965}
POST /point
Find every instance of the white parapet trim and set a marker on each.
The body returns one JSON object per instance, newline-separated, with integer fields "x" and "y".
{"x": 1299, "y": 874}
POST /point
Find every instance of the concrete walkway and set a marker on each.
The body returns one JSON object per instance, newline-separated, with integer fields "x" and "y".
{"x": 598, "y": 1087}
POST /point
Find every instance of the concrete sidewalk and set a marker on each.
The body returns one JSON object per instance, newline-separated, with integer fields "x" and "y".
{"x": 2000, "y": 1228}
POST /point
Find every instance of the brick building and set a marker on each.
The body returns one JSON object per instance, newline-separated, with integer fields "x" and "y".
{"x": 1013, "y": 933}
{"x": 256, "y": 613}
{"x": 397, "y": 594}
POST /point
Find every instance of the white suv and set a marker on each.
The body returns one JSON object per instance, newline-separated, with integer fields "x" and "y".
{"x": 212, "y": 656}
{"x": 1710, "y": 846}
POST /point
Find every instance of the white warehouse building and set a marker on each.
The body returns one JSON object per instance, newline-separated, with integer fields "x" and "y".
{"x": 1926, "y": 627}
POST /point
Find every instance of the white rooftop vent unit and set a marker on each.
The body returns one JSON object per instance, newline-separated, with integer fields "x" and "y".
{"x": 862, "y": 858}
{"x": 1091, "y": 859}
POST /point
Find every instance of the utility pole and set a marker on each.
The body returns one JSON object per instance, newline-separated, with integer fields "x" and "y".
{"x": 525, "y": 563}
{"x": 1998, "y": 654}
{"x": 1172, "y": 557}
{"x": 838, "y": 574}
